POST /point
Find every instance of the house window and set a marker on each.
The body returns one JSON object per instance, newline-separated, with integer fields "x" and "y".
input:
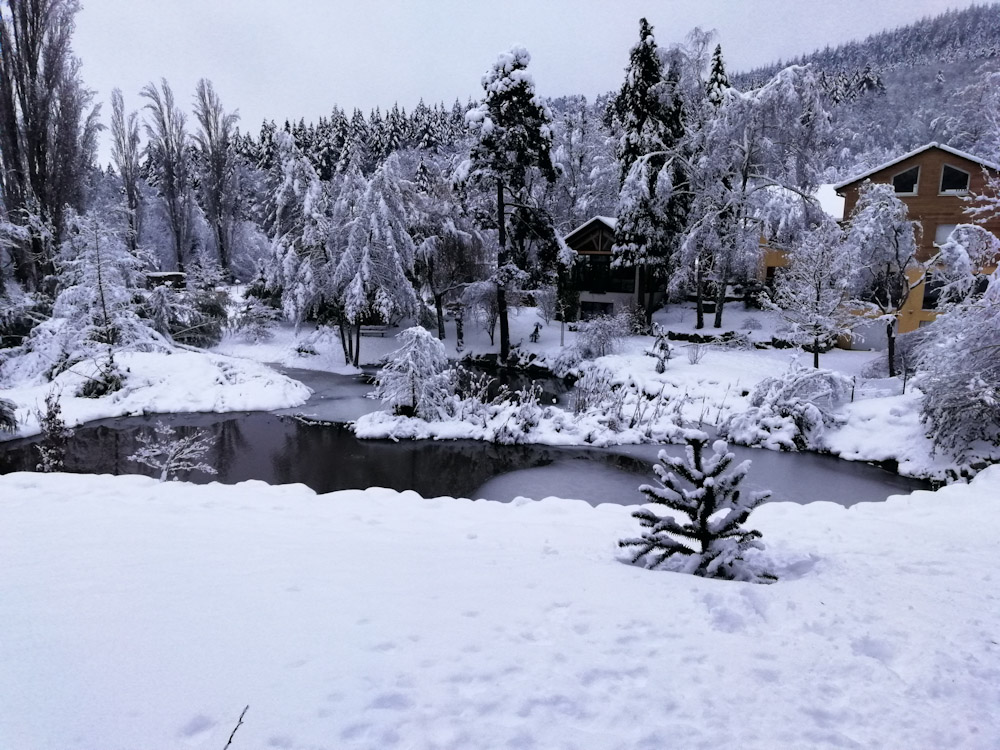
{"x": 954, "y": 181}
{"x": 905, "y": 183}
{"x": 942, "y": 233}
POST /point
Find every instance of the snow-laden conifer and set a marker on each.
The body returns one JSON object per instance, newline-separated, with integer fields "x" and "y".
{"x": 514, "y": 137}
{"x": 710, "y": 540}
{"x": 413, "y": 381}
{"x": 55, "y": 435}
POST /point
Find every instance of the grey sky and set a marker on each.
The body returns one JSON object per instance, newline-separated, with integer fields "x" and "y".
{"x": 297, "y": 58}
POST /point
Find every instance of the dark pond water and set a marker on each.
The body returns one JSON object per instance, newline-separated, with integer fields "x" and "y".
{"x": 281, "y": 449}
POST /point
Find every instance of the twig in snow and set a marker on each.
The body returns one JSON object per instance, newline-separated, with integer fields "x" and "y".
{"x": 238, "y": 725}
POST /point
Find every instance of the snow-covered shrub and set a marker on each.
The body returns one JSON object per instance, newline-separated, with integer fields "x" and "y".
{"x": 791, "y": 411}
{"x": 206, "y": 307}
{"x": 524, "y": 414}
{"x": 751, "y": 323}
{"x": 602, "y": 335}
{"x": 960, "y": 378}
{"x": 253, "y": 321}
{"x": 591, "y": 391}
{"x": 696, "y": 352}
{"x": 19, "y": 313}
{"x": 711, "y": 541}
{"x": 662, "y": 350}
{"x": 8, "y": 416}
{"x": 55, "y": 436}
{"x": 412, "y": 380}
{"x": 169, "y": 454}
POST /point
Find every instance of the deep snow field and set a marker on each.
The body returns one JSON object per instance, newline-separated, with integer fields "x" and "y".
{"x": 139, "y": 614}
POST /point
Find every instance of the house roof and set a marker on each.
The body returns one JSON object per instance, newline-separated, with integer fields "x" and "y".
{"x": 954, "y": 151}
{"x": 608, "y": 221}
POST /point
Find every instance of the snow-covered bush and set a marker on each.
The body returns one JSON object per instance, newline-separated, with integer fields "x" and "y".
{"x": 696, "y": 352}
{"x": 790, "y": 412}
{"x": 524, "y": 414}
{"x": 253, "y": 321}
{"x": 711, "y": 541}
{"x": 55, "y": 436}
{"x": 8, "y": 416}
{"x": 662, "y": 350}
{"x": 169, "y": 454}
{"x": 412, "y": 381}
{"x": 960, "y": 378}
{"x": 751, "y": 323}
{"x": 602, "y": 335}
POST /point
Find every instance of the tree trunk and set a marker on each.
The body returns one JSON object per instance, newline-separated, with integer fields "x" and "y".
{"x": 816, "y": 352}
{"x": 699, "y": 295}
{"x": 439, "y": 309}
{"x": 890, "y": 341}
{"x": 501, "y": 262}
{"x": 357, "y": 345}
{"x": 720, "y": 299}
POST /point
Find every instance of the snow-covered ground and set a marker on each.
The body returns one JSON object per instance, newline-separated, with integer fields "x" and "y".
{"x": 158, "y": 382}
{"x": 138, "y": 614}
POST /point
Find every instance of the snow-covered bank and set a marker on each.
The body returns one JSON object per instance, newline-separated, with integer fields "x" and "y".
{"x": 156, "y": 382}
{"x": 377, "y": 619}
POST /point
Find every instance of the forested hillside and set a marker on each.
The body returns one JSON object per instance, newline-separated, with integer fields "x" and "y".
{"x": 933, "y": 80}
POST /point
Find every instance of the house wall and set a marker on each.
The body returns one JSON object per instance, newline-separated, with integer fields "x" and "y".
{"x": 931, "y": 208}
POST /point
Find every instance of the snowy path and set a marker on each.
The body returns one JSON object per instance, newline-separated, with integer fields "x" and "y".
{"x": 139, "y": 614}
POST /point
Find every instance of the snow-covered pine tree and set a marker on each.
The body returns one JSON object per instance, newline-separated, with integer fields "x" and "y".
{"x": 100, "y": 281}
{"x": 55, "y": 435}
{"x": 370, "y": 281}
{"x": 711, "y": 541}
{"x": 813, "y": 290}
{"x": 412, "y": 380}
{"x": 513, "y": 126}
{"x": 653, "y": 201}
{"x": 168, "y": 454}
{"x": 718, "y": 81}
{"x": 883, "y": 239}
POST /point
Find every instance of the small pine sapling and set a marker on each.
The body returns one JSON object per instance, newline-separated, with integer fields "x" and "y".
{"x": 170, "y": 454}
{"x": 711, "y": 541}
{"x": 55, "y": 436}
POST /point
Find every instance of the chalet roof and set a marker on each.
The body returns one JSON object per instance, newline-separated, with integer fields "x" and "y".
{"x": 954, "y": 151}
{"x": 608, "y": 221}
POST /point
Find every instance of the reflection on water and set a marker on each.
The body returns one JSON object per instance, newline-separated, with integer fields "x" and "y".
{"x": 281, "y": 449}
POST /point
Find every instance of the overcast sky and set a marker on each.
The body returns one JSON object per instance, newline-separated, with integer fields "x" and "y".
{"x": 296, "y": 58}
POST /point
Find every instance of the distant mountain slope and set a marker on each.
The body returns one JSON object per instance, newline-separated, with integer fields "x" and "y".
{"x": 934, "y": 80}
{"x": 965, "y": 35}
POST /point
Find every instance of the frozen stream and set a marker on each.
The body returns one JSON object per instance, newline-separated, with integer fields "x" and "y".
{"x": 280, "y": 448}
